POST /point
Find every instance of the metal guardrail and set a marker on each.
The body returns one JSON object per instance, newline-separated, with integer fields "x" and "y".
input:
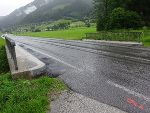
{"x": 116, "y": 36}
{"x": 11, "y": 48}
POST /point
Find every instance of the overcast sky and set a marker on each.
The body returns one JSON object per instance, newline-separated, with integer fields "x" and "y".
{"x": 7, "y": 6}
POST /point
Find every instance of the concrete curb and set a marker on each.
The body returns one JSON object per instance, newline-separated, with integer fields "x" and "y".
{"x": 115, "y": 42}
{"x": 28, "y": 65}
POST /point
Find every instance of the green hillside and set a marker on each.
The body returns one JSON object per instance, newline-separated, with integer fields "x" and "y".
{"x": 48, "y": 11}
{"x": 60, "y": 9}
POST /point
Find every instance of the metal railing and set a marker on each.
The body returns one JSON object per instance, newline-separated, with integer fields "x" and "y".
{"x": 11, "y": 48}
{"x": 115, "y": 36}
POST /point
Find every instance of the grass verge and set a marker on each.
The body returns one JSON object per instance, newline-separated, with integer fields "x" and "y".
{"x": 146, "y": 38}
{"x": 2, "y": 42}
{"x": 24, "y": 96}
{"x": 4, "y": 67}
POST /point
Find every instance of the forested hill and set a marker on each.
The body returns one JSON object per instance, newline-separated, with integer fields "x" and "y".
{"x": 60, "y": 9}
{"x": 48, "y": 10}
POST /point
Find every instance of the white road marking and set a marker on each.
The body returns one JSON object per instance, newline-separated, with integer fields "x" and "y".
{"x": 129, "y": 91}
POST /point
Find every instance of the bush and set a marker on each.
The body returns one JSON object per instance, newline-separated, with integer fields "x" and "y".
{"x": 64, "y": 25}
{"x": 87, "y": 24}
{"x": 4, "y": 67}
{"x": 100, "y": 23}
{"x": 121, "y": 18}
{"x": 60, "y": 26}
{"x": 37, "y": 30}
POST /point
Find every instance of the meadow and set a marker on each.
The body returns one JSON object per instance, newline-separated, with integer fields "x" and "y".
{"x": 71, "y": 34}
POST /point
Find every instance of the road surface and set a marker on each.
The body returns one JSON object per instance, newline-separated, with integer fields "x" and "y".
{"x": 116, "y": 75}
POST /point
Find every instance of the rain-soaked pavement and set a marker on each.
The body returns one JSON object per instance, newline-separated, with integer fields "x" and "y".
{"x": 116, "y": 75}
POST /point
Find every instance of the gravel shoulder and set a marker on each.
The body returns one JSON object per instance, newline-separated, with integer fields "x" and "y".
{"x": 71, "y": 102}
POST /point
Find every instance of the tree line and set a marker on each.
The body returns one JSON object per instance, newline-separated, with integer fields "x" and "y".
{"x": 118, "y": 14}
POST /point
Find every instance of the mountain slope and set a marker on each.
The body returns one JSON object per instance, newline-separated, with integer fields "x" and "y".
{"x": 47, "y": 10}
{"x": 60, "y": 9}
{"x": 18, "y": 15}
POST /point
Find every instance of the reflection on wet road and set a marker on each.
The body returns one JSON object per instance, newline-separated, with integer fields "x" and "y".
{"x": 117, "y": 75}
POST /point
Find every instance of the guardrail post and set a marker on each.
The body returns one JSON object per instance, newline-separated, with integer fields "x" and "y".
{"x": 11, "y": 48}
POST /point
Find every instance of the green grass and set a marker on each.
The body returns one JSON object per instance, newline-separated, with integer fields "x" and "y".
{"x": 4, "y": 67}
{"x": 24, "y": 96}
{"x": 2, "y": 42}
{"x": 71, "y": 34}
{"x": 146, "y": 38}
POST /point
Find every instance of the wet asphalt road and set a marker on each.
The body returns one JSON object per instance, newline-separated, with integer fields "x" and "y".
{"x": 113, "y": 74}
